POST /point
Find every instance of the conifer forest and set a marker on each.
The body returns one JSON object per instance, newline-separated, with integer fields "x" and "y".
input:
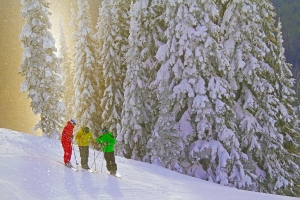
{"x": 204, "y": 88}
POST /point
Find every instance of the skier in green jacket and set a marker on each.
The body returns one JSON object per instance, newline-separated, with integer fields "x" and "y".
{"x": 107, "y": 140}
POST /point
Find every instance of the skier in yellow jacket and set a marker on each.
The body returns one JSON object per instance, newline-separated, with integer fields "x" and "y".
{"x": 83, "y": 137}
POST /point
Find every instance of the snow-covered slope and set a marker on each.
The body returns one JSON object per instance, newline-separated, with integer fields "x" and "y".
{"x": 29, "y": 170}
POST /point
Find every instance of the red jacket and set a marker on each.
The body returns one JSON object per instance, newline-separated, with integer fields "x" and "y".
{"x": 66, "y": 136}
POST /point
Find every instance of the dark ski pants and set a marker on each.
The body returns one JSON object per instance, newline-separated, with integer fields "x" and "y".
{"x": 84, "y": 156}
{"x": 110, "y": 161}
{"x": 67, "y": 152}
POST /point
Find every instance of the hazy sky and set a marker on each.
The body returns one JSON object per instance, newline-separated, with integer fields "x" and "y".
{"x": 15, "y": 112}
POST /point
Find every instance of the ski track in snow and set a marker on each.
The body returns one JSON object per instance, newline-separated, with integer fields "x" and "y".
{"x": 29, "y": 170}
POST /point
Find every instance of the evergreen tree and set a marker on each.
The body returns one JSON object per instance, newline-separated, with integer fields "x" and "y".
{"x": 86, "y": 73}
{"x": 284, "y": 83}
{"x": 112, "y": 37}
{"x": 259, "y": 78}
{"x": 194, "y": 133}
{"x": 286, "y": 175}
{"x": 41, "y": 67}
{"x": 68, "y": 73}
{"x": 74, "y": 24}
{"x": 138, "y": 116}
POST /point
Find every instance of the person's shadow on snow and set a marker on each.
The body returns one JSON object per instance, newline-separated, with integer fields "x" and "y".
{"x": 70, "y": 183}
{"x": 87, "y": 184}
{"x": 112, "y": 187}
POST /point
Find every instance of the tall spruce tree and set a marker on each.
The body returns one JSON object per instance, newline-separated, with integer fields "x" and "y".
{"x": 41, "y": 67}
{"x": 112, "y": 37}
{"x": 194, "y": 133}
{"x": 261, "y": 82}
{"x": 283, "y": 86}
{"x": 86, "y": 80}
{"x": 68, "y": 73}
{"x": 288, "y": 123}
{"x": 138, "y": 116}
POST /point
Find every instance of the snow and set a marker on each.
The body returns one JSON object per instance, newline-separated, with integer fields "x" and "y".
{"x": 24, "y": 86}
{"x": 29, "y": 170}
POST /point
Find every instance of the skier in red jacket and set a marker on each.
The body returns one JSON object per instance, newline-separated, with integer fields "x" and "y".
{"x": 66, "y": 141}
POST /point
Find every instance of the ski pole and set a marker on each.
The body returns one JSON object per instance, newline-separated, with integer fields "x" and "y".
{"x": 95, "y": 158}
{"x": 102, "y": 162}
{"x": 74, "y": 154}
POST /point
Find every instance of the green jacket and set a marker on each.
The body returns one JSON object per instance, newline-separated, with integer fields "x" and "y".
{"x": 107, "y": 141}
{"x": 83, "y": 138}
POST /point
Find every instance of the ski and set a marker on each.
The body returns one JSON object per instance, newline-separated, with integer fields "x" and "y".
{"x": 115, "y": 175}
{"x": 73, "y": 168}
{"x": 90, "y": 170}
{"x": 93, "y": 171}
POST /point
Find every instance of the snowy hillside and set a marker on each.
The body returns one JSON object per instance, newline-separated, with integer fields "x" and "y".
{"x": 29, "y": 171}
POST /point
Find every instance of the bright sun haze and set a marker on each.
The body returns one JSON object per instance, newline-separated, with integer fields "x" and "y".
{"x": 15, "y": 110}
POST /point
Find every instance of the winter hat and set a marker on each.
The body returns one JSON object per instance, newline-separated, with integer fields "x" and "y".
{"x": 86, "y": 129}
{"x": 73, "y": 121}
{"x": 105, "y": 130}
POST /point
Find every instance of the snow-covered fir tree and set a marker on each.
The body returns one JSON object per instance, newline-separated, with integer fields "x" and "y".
{"x": 138, "y": 117}
{"x": 112, "y": 37}
{"x": 68, "y": 73}
{"x": 86, "y": 80}
{"x": 284, "y": 84}
{"x": 74, "y": 25}
{"x": 194, "y": 133}
{"x": 41, "y": 68}
{"x": 260, "y": 78}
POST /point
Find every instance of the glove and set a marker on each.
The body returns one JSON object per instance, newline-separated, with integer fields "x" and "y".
{"x": 98, "y": 147}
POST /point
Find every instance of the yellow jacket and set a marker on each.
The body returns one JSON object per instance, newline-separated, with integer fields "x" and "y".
{"x": 83, "y": 138}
